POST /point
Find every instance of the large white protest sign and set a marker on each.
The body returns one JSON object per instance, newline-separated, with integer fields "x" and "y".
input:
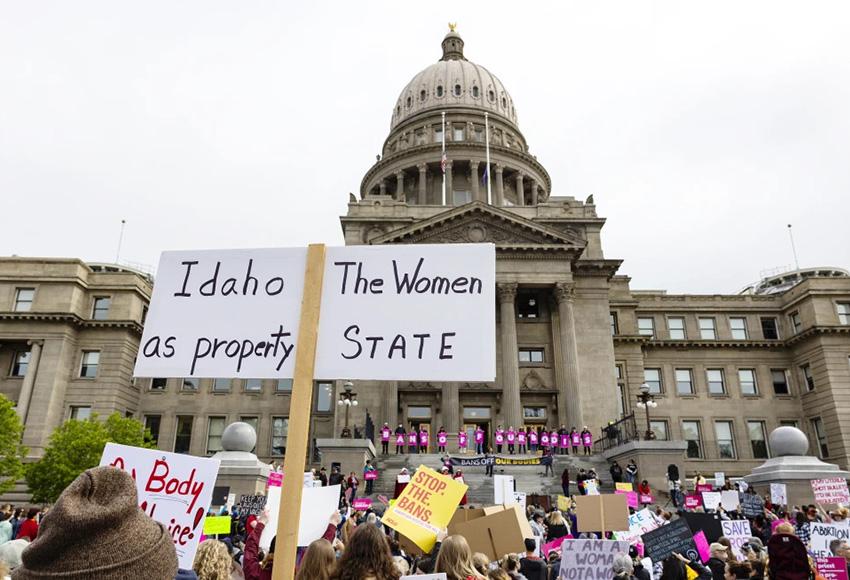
{"x": 388, "y": 312}
{"x": 582, "y": 559}
{"x": 729, "y": 500}
{"x": 317, "y": 505}
{"x": 778, "y": 493}
{"x": 711, "y": 499}
{"x": 825, "y": 535}
{"x": 831, "y": 491}
{"x": 640, "y": 522}
{"x": 503, "y": 489}
{"x": 172, "y": 488}
{"x": 739, "y": 533}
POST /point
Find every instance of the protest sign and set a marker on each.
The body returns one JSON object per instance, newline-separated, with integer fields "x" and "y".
{"x": 582, "y": 559}
{"x": 387, "y": 313}
{"x": 425, "y": 507}
{"x": 739, "y": 533}
{"x": 832, "y": 568}
{"x": 702, "y": 546}
{"x": 275, "y": 479}
{"x": 503, "y": 489}
{"x": 174, "y": 489}
{"x": 591, "y": 487}
{"x": 317, "y": 505}
{"x": 674, "y": 537}
{"x": 711, "y": 499}
{"x": 554, "y": 545}
{"x": 362, "y": 504}
{"x": 563, "y": 503}
{"x": 623, "y": 486}
{"x": 693, "y": 501}
{"x": 778, "y": 493}
{"x": 403, "y": 478}
{"x": 701, "y": 487}
{"x": 640, "y": 522}
{"x": 719, "y": 478}
{"x": 251, "y": 504}
{"x": 216, "y": 525}
{"x": 519, "y": 498}
{"x": 219, "y": 495}
{"x": 371, "y": 475}
{"x": 231, "y": 500}
{"x": 831, "y": 491}
{"x": 708, "y": 523}
{"x": 631, "y": 498}
{"x": 645, "y": 498}
{"x": 823, "y": 536}
{"x": 602, "y": 513}
{"x": 752, "y": 505}
{"x": 729, "y": 500}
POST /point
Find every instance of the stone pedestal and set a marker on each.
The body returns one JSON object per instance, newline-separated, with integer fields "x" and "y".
{"x": 652, "y": 458}
{"x": 350, "y": 454}
{"x": 240, "y": 469}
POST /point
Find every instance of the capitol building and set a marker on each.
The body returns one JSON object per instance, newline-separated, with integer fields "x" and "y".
{"x": 576, "y": 345}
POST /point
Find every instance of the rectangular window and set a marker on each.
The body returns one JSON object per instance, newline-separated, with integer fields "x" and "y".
{"x": 438, "y": 135}
{"x": 283, "y": 386}
{"x": 23, "y": 299}
{"x": 528, "y": 306}
{"x": 789, "y": 423}
{"x": 652, "y": 377}
{"x": 253, "y": 385}
{"x": 692, "y": 435}
{"x": 80, "y": 413}
{"x": 646, "y": 326}
{"x": 190, "y": 384}
{"x": 534, "y": 412}
{"x": 843, "y": 312}
{"x": 758, "y": 440}
{"x": 280, "y": 428}
{"x": 152, "y": 423}
{"x": 479, "y": 133}
{"x": 89, "y": 364}
{"x": 676, "y": 327}
{"x": 457, "y": 135}
{"x": 659, "y": 429}
{"x": 739, "y": 328}
{"x": 621, "y": 399}
{"x": 183, "y": 438}
{"x": 714, "y": 377}
{"x": 324, "y": 397}
{"x": 418, "y": 412}
{"x": 769, "y": 329}
{"x": 808, "y": 379}
{"x": 20, "y": 364}
{"x": 476, "y": 412}
{"x": 684, "y": 382}
{"x": 747, "y": 380}
{"x": 159, "y": 384}
{"x": 531, "y": 355}
{"x": 221, "y": 386}
{"x": 615, "y": 329}
{"x": 214, "y": 431}
{"x": 779, "y": 377}
{"x": 460, "y": 197}
{"x": 100, "y": 310}
{"x": 707, "y": 329}
{"x": 796, "y": 323}
{"x": 725, "y": 441}
{"x": 820, "y": 436}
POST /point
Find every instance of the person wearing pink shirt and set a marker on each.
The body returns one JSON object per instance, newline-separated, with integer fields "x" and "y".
{"x": 533, "y": 438}
{"x": 461, "y": 441}
{"x": 412, "y": 440}
{"x": 479, "y": 440}
{"x": 575, "y": 439}
{"x": 500, "y": 438}
{"x": 385, "y": 439}
{"x": 544, "y": 440}
{"x": 423, "y": 440}
{"x": 442, "y": 440}
{"x": 520, "y": 441}
{"x": 510, "y": 437}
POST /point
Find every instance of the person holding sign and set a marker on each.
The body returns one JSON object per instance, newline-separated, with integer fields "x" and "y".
{"x": 533, "y": 438}
{"x": 424, "y": 439}
{"x": 367, "y": 469}
{"x": 385, "y": 439}
{"x": 520, "y": 441}
{"x": 479, "y": 439}
{"x": 575, "y": 440}
{"x": 399, "y": 439}
{"x": 544, "y": 440}
{"x": 586, "y": 440}
{"x": 500, "y": 438}
{"x": 564, "y": 442}
{"x": 510, "y": 436}
{"x": 412, "y": 440}
{"x": 461, "y": 441}
{"x": 442, "y": 440}
{"x": 554, "y": 441}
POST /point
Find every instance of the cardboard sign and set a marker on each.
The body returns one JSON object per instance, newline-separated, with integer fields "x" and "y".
{"x": 174, "y": 489}
{"x": 371, "y": 475}
{"x": 719, "y": 478}
{"x": 822, "y": 535}
{"x": 216, "y": 525}
{"x": 620, "y": 486}
{"x": 251, "y": 504}
{"x": 729, "y": 500}
{"x": 362, "y": 504}
{"x": 413, "y": 312}
{"x": 317, "y": 505}
{"x": 597, "y": 513}
{"x": 832, "y": 568}
{"x": 589, "y": 558}
{"x": 674, "y": 537}
{"x": 708, "y": 523}
{"x": 778, "y": 493}
{"x": 702, "y": 546}
{"x": 711, "y": 499}
{"x": 831, "y": 491}
{"x": 425, "y": 507}
{"x": 739, "y": 533}
{"x": 494, "y": 531}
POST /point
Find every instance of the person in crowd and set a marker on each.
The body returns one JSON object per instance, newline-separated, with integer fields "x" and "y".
{"x": 510, "y": 438}
{"x": 481, "y": 563}
{"x": 353, "y": 483}
{"x": 565, "y": 482}
{"x": 675, "y": 567}
{"x": 631, "y": 471}
{"x": 548, "y": 461}
{"x": 368, "y": 468}
{"x": 455, "y": 560}
{"x": 616, "y": 472}
{"x": 801, "y": 528}
{"x": 586, "y": 440}
{"x": 698, "y": 480}
{"x": 318, "y": 561}
{"x": 758, "y": 570}
{"x": 29, "y": 527}
{"x": 564, "y": 440}
{"x": 575, "y": 440}
{"x": 412, "y": 440}
{"x": 533, "y": 439}
{"x": 521, "y": 436}
{"x": 510, "y": 564}
{"x": 488, "y": 466}
{"x": 674, "y": 486}
{"x": 557, "y": 526}
{"x": 479, "y": 439}
{"x": 401, "y": 482}
{"x": 554, "y": 559}
{"x": 718, "y": 556}
{"x": 623, "y": 567}
{"x": 458, "y": 477}
{"x": 638, "y": 569}
{"x": 212, "y": 561}
{"x": 462, "y": 441}
{"x": 442, "y": 440}
{"x": 96, "y": 530}
{"x": 336, "y": 477}
{"x": 16, "y": 520}
{"x": 399, "y": 439}
{"x": 366, "y": 557}
{"x": 738, "y": 570}
{"x": 323, "y": 477}
{"x": 5, "y": 527}
{"x": 498, "y": 574}
{"x": 424, "y": 437}
{"x": 532, "y": 566}
{"x": 538, "y": 528}
{"x": 643, "y": 488}
{"x": 385, "y": 438}
{"x": 555, "y": 442}
{"x": 500, "y": 438}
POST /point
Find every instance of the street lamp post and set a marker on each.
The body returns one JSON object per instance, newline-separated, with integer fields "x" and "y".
{"x": 646, "y": 401}
{"x": 348, "y": 399}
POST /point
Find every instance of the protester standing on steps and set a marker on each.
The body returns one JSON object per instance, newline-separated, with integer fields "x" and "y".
{"x": 368, "y": 468}
{"x": 479, "y": 439}
{"x": 500, "y": 438}
{"x": 565, "y": 482}
{"x": 385, "y": 439}
{"x": 631, "y": 471}
{"x": 423, "y": 439}
{"x": 399, "y": 439}
{"x": 587, "y": 440}
{"x": 461, "y": 441}
{"x": 548, "y": 459}
{"x": 442, "y": 440}
{"x": 575, "y": 440}
{"x": 544, "y": 441}
{"x": 616, "y": 472}
{"x": 510, "y": 436}
{"x": 488, "y": 466}
{"x": 520, "y": 441}
{"x": 412, "y": 440}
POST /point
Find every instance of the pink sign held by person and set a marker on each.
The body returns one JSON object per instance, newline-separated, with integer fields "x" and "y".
{"x": 442, "y": 439}
{"x": 371, "y": 475}
{"x": 461, "y": 440}
{"x": 275, "y": 479}
{"x": 362, "y": 504}
{"x": 587, "y": 440}
{"x": 702, "y": 546}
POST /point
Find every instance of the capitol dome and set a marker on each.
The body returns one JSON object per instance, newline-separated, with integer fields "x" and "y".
{"x": 453, "y": 82}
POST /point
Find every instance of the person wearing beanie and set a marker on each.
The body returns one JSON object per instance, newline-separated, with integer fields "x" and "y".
{"x": 96, "y": 530}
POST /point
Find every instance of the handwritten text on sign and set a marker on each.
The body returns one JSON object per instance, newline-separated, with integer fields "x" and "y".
{"x": 173, "y": 489}
{"x": 388, "y": 312}
{"x": 830, "y": 491}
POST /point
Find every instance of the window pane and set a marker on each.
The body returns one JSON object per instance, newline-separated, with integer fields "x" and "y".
{"x": 254, "y": 385}
{"x": 796, "y": 325}
{"x": 747, "y": 379}
{"x": 528, "y": 306}
{"x": 159, "y": 384}
{"x": 419, "y": 412}
{"x": 684, "y": 382}
{"x": 80, "y": 413}
{"x": 23, "y": 299}
{"x": 90, "y": 362}
{"x": 820, "y": 436}
{"x": 534, "y": 412}
{"x": 280, "y": 428}
{"x": 707, "y": 329}
{"x": 691, "y": 434}
{"x": 808, "y": 379}
{"x": 646, "y": 326}
{"x": 152, "y": 423}
{"x": 676, "y": 326}
{"x": 739, "y": 328}
{"x": 216, "y": 428}
{"x": 324, "y": 397}
{"x": 458, "y": 134}
{"x": 101, "y": 308}
{"x": 715, "y": 381}
{"x": 183, "y": 440}
{"x": 476, "y": 412}
{"x": 20, "y": 364}
{"x": 284, "y": 385}
{"x": 613, "y": 320}
{"x": 659, "y": 428}
{"x": 221, "y": 385}
{"x": 843, "y": 312}
{"x": 780, "y": 381}
{"x": 758, "y": 441}
{"x": 769, "y": 329}
{"x": 190, "y": 384}
{"x": 652, "y": 377}
{"x": 725, "y": 443}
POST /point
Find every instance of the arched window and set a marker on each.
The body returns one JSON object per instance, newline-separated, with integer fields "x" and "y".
{"x": 439, "y": 90}
{"x": 457, "y": 90}
{"x": 504, "y": 103}
{"x": 475, "y": 92}
{"x": 408, "y": 102}
{"x": 398, "y": 110}
{"x": 491, "y": 95}
{"x": 422, "y": 95}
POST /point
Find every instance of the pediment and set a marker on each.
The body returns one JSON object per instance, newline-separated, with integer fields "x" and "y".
{"x": 478, "y": 222}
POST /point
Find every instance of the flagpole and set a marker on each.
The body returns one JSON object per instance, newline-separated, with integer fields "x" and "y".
{"x": 442, "y": 159}
{"x": 487, "y": 140}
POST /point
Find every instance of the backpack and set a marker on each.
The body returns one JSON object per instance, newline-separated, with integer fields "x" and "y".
{"x": 787, "y": 558}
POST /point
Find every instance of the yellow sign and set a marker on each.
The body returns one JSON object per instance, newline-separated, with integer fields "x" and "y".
{"x": 216, "y": 525}
{"x": 563, "y": 503}
{"x": 425, "y": 507}
{"x": 623, "y": 487}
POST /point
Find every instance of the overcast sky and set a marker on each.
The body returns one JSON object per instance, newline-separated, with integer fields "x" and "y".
{"x": 701, "y": 129}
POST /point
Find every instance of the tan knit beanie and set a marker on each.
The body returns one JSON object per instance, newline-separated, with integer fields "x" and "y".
{"x": 96, "y": 530}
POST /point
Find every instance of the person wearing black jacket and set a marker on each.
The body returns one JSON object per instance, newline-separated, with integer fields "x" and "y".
{"x": 400, "y": 431}
{"x": 531, "y": 565}
{"x": 616, "y": 472}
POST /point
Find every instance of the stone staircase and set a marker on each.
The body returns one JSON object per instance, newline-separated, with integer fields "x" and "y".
{"x": 529, "y": 479}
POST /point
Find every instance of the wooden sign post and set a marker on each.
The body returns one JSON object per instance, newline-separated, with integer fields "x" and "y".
{"x": 294, "y": 462}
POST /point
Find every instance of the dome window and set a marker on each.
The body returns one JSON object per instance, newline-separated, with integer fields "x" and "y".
{"x": 398, "y": 110}
{"x": 457, "y": 90}
{"x": 504, "y": 103}
{"x": 439, "y": 90}
{"x": 408, "y": 102}
{"x": 492, "y": 96}
{"x": 422, "y": 95}
{"x": 475, "y": 92}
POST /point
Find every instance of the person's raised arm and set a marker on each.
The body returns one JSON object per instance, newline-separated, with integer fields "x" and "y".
{"x": 251, "y": 555}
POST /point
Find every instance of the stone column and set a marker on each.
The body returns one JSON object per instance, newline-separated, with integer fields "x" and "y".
{"x": 383, "y": 186}
{"x": 391, "y": 404}
{"x": 449, "y": 196}
{"x": 570, "y": 390}
{"x": 423, "y": 184}
{"x": 29, "y": 379}
{"x": 520, "y": 193}
{"x": 451, "y": 407}
{"x": 399, "y": 188}
{"x": 473, "y": 179}
{"x": 500, "y": 185}
{"x": 533, "y": 192}
{"x": 511, "y": 406}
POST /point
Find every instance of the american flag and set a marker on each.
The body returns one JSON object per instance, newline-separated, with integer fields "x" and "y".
{"x": 443, "y": 161}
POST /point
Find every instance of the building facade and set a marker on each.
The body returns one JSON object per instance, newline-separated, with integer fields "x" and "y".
{"x": 575, "y": 344}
